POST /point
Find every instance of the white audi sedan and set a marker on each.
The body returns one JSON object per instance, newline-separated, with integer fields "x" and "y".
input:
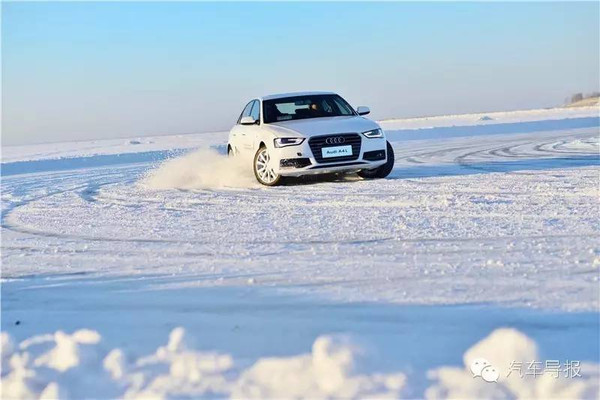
{"x": 305, "y": 133}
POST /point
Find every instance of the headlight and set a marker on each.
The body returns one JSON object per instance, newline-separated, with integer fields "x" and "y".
{"x": 287, "y": 141}
{"x": 375, "y": 133}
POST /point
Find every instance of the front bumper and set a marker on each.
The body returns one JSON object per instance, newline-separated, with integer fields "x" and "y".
{"x": 300, "y": 160}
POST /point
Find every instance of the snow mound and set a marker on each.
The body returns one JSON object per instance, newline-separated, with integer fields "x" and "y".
{"x": 77, "y": 366}
{"x": 330, "y": 371}
{"x": 202, "y": 169}
{"x": 505, "y": 349}
{"x": 55, "y": 366}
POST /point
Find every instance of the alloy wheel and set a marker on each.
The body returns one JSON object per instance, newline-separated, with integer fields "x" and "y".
{"x": 263, "y": 168}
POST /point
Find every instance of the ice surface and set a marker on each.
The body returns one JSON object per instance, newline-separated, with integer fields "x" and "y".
{"x": 509, "y": 219}
{"x": 481, "y": 225}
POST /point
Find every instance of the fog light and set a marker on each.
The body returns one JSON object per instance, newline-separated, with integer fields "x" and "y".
{"x": 374, "y": 155}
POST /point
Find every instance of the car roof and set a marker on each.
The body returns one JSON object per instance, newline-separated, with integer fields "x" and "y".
{"x": 292, "y": 94}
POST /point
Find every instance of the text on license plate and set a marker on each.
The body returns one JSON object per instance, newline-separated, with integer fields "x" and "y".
{"x": 337, "y": 151}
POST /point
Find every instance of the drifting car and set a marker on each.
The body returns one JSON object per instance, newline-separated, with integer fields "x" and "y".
{"x": 297, "y": 134}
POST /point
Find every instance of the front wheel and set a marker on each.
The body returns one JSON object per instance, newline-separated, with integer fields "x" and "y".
{"x": 382, "y": 171}
{"x": 263, "y": 168}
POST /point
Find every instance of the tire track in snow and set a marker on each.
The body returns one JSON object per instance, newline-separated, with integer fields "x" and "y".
{"x": 90, "y": 192}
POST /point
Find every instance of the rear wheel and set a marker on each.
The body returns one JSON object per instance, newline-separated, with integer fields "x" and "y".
{"x": 263, "y": 168}
{"x": 382, "y": 171}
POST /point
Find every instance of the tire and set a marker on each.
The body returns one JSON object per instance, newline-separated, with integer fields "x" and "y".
{"x": 382, "y": 171}
{"x": 265, "y": 175}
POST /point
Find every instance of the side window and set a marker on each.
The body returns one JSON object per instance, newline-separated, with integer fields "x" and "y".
{"x": 246, "y": 111}
{"x": 255, "y": 113}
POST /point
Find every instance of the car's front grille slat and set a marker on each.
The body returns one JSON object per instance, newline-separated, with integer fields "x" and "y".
{"x": 317, "y": 143}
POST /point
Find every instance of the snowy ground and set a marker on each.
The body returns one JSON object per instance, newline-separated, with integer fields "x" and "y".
{"x": 487, "y": 221}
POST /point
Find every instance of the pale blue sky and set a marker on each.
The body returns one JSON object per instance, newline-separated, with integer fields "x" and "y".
{"x": 76, "y": 71}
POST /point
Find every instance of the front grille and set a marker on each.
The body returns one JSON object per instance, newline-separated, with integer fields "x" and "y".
{"x": 318, "y": 142}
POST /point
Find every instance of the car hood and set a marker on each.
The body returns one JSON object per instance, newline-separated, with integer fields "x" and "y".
{"x": 322, "y": 126}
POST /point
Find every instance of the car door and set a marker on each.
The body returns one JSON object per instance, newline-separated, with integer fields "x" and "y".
{"x": 239, "y": 131}
{"x": 254, "y": 130}
{"x": 248, "y": 133}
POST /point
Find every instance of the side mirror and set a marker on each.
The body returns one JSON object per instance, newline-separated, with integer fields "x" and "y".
{"x": 247, "y": 120}
{"x": 362, "y": 110}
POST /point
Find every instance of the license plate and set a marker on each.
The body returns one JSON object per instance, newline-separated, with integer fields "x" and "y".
{"x": 337, "y": 151}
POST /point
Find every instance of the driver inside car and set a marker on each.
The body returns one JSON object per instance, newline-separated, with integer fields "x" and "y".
{"x": 316, "y": 110}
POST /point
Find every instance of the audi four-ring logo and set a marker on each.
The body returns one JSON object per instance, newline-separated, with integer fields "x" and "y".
{"x": 335, "y": 140}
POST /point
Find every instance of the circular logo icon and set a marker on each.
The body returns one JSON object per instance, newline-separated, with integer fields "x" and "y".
{"x": 335, "y": 140}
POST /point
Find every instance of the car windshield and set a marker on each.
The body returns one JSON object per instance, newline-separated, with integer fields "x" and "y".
{"x": 302, "y": 107}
